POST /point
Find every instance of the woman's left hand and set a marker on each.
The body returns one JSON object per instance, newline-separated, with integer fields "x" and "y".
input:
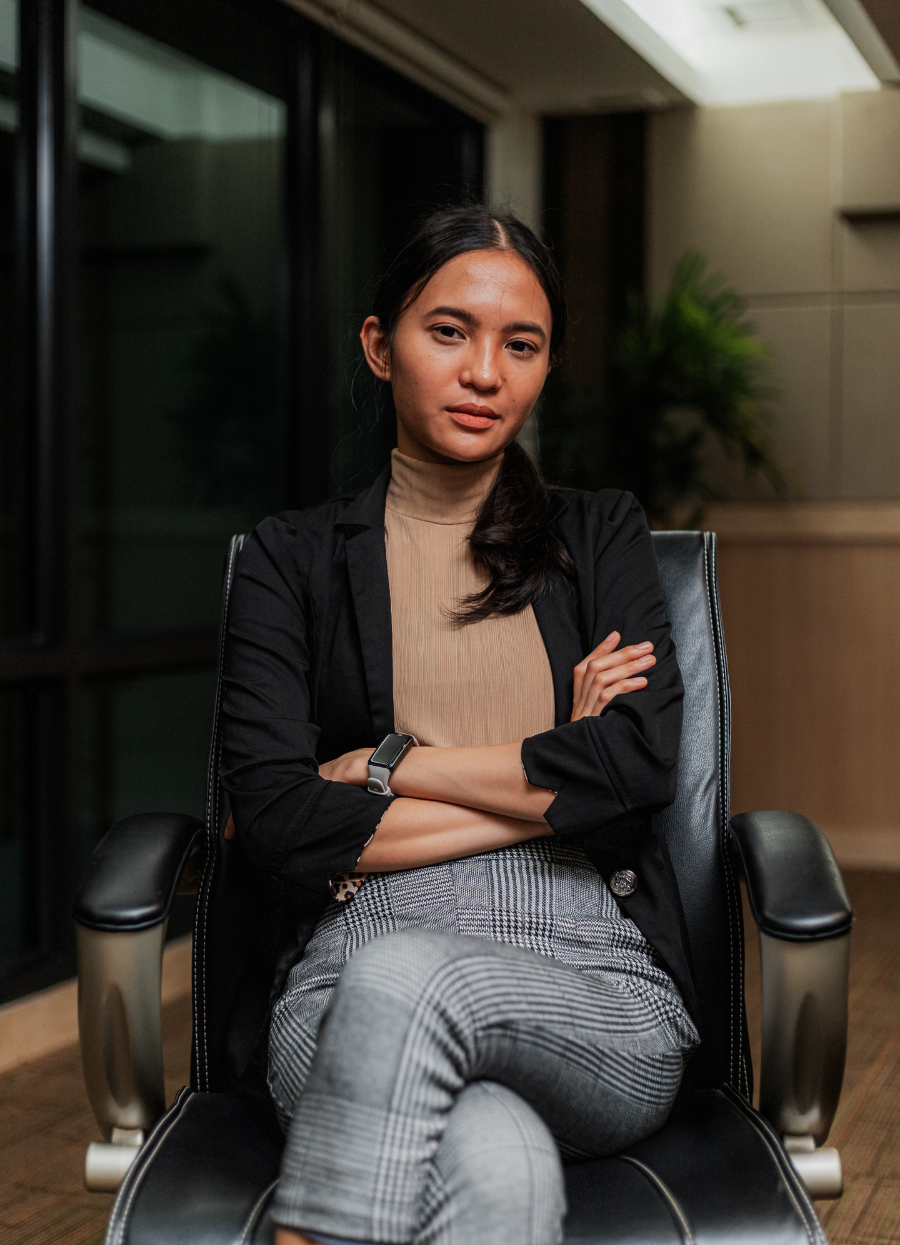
{"x": 609, "y": 672}
{"x": 352, "y": 767}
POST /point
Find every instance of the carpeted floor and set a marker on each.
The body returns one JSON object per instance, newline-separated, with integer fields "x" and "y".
{"x": 45, "y": 1121}
{"x": 45, "y": 1126}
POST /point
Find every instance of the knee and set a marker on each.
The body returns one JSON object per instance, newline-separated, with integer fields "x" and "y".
{"x": 493, "y": 1132}
{"x": 498, "y": 1171}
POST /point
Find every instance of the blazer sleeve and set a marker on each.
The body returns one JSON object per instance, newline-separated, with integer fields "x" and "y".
{"x": 621, "y": 764}
{"x": 291, "y": 822}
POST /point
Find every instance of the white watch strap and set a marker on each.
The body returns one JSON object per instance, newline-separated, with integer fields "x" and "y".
{"x": 377, "y": 784}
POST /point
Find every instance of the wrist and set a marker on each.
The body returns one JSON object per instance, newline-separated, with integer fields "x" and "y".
{"x": 360, "y": 767}
{"x": 385, "y": 760}
{"x": 403, "y": 778}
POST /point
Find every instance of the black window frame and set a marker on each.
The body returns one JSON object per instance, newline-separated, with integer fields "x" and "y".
{"x": 49, "y": 660}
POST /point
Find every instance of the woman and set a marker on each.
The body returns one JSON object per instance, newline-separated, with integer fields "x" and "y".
{"x": 492, "y": 984}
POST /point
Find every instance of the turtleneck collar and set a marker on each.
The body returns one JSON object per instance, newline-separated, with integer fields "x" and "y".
{"x": 439, "y": 492}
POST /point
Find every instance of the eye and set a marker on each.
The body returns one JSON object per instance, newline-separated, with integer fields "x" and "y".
{"x": 448, "y": 331}
{"x": 521, "y": 347}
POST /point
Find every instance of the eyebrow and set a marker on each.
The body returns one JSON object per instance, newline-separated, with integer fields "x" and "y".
{"x": 518, "y": 326}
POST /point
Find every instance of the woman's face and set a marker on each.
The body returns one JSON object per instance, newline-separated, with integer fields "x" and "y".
{"x": 468, "y": 360}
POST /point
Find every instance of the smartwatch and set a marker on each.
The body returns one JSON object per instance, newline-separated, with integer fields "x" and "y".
{"x": 385, "y": 759}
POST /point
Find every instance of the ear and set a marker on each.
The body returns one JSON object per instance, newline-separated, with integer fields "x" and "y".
{"x": 377, "y": 348}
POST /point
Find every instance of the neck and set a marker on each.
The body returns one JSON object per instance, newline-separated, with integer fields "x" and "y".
{"x": 440, "y": 492}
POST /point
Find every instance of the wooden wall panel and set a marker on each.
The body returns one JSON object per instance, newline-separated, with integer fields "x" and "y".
{"x": 812, "y": 629}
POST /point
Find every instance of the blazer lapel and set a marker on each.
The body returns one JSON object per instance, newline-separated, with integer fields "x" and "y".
{"x": 558, "y": 616}
{"x": 363, "y": 526}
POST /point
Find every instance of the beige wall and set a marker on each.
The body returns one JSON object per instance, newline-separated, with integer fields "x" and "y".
{"x": 810, "y": 605}
{"x": 758, "y": 190}
{"x": 513, "y": 159}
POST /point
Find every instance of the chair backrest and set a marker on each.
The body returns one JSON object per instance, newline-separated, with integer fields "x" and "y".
{"x": 242, "y": 916}
{"x": 696, "y": 824}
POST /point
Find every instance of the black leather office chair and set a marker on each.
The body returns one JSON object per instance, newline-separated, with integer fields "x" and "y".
{"x": 719, "y": 1172}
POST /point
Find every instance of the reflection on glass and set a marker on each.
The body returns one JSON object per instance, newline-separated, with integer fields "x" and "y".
{"x": 144, "y": 748}
{"x": 11, "y": 448}
{"x": 16, "y": 933}
{"x": 179, "y": 367}
{"x": 393, "y": 153}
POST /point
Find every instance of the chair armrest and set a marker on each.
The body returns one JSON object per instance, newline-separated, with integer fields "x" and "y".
{"x": 121, "y": 915}
{"x": 135, "y": 871}
{"x": 798, "y": 900}
{"x": 795, "y": 888}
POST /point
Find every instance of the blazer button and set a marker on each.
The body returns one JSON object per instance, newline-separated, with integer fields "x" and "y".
{"x": 623, "y": 882}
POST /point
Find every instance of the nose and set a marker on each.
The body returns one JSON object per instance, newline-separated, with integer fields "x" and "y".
{"x": 481, "y": 369}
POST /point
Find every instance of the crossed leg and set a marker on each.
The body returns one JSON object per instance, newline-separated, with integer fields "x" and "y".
{"x": 437, "y": 1048}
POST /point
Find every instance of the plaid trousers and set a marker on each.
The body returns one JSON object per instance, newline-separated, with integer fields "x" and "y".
{"x": 430, "y": 1080}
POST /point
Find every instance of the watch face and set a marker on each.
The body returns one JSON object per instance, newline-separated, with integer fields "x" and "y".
{"x": 390, "y": 750}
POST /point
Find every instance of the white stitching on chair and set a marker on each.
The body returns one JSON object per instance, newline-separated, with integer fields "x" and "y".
{"x": 253, "y": 1218}
{"x": 212, "y": 826}
{"x": 712, "y": 627}
{"x": 737, "y": 1002}
{"x": 737, "y": 1069}
{"x": 765, "y": 1132}
{"x": 142, "y": 1171}
{"x": 671, "y": 1201}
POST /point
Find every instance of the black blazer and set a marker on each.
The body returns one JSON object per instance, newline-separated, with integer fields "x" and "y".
{"x": 308, "y": 676}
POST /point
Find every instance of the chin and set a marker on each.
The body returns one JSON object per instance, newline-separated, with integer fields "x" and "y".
{"x": 471, "y": 451}
{"x": 469, "y": 445}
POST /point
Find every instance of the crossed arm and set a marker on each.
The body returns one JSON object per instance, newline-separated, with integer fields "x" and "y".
{"x": 457, "y": 802}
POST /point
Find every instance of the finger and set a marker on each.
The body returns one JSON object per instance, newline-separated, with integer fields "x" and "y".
{"x": 627, "y": 669}
{"x": 607, "y": 646}
{"x": 611, "y": 661}
{"x": 601, "y": 692}
{"x": 603, "y": 679}
{"x": 230, "y": 831}
{"x": 592, "y": 704}
{"x": 598, "y": 654}
{"x": 616, "y": 689}
{"x": 597, "y": 695}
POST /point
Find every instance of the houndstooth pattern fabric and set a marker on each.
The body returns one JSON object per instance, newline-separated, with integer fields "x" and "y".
{"x": 496, "y": 1176}
{"x": 465, "y": 951}
{"x": 538, "y": 895}
{"x": 417, "y": 1017}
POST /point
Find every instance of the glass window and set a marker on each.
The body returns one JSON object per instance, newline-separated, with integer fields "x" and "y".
{"x": 179, "y": 349}
{"x": 11, "y": 447}
{"x": 187, "y": 301}
{"x": 144, "y": 748}
{"x": 392, "y": 153}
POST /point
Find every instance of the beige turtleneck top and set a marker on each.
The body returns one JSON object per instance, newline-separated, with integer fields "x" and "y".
{"x": 454, "y": 686}
{"x": 482, "y": 683}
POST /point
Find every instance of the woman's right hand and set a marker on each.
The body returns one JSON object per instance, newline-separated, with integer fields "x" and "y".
{"x": 608, "y": 672}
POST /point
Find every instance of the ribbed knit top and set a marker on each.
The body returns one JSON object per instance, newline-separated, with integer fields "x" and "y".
{"x": 481, "y": 683}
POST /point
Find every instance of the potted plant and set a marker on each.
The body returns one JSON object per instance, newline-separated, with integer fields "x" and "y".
{"x": 689, "y": 382}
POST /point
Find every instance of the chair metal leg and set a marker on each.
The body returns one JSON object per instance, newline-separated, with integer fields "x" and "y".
{"x": 804, "y": 1044}
{"x": 120, "y": 1025}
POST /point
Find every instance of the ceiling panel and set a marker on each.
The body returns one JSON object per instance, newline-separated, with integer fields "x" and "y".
{"x": 550, "y": 55}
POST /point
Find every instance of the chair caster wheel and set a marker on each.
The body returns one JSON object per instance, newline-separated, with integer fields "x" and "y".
{"x": 106, "y": 1163}
{"x": 820, "y": 1170}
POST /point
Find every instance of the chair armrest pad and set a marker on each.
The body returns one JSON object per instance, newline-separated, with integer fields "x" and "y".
{"x": 795, "y": 888}
{"x": 133, "y": 875}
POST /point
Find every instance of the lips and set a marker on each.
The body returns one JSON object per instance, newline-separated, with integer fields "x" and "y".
{"x": 470, "y": 415}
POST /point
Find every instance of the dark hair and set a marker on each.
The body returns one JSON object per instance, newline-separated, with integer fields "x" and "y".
{"x": 511, "y": 538}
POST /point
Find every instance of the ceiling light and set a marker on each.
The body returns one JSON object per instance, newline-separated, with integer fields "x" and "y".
{"x": 742, "y": 51}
